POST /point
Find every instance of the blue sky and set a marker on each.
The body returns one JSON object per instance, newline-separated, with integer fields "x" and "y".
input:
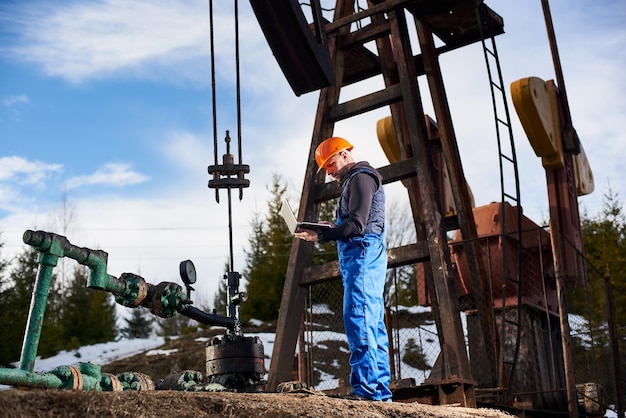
{"x": 105, "y": 109}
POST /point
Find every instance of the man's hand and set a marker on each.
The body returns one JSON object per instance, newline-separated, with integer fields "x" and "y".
{"x": 306, "y": 234}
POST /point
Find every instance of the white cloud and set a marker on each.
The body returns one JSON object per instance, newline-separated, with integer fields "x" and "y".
{"x": 18, "y": 169}
{"x": 79, "y": 41}
{"x": 112, "y": 174}
{"x": 12, "y": 105}
{"x": 18, "y": 174}
{"x": 14, "y": 100}
{"x": 159, "y": 40}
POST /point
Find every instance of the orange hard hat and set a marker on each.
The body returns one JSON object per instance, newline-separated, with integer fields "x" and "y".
{"x": 328, "y": 148}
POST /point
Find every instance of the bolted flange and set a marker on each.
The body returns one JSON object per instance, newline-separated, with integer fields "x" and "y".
{"x": 236, "y": 362}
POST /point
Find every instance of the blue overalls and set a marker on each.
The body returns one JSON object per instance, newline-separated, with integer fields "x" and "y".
{"x": 363, "y": 265}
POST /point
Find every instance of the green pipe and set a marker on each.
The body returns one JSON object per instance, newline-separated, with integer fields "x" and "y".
{"x": 79, "y": 378}
{"x": 164, "y": 300}
{"x": 38, "y": 302}
{"x": 51, "y": 247}
{"x": 96, "y": 260}
{"x": 17, "y": 377}
{"x": 85, "y": 376}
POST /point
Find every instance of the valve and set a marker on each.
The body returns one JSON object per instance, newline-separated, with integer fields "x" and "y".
{"x": 135, "y": 291}
{"x": 235, "y": 297}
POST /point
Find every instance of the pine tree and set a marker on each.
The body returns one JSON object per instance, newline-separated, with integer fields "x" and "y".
{"x": 16, "y": 299}
{"x": 266, "y": 260}
{"x": 3, "y": 262}
{"x": 139, "y": 324}
{"x": 88, "y": 315}
{"x": 8, "y": 351}
{"x": 414, "y": 356}
{"x": 15, "y": 306}
{"x": 604, "y": 239}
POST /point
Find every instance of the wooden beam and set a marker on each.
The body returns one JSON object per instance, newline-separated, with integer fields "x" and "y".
{"x": 396, "y": 257}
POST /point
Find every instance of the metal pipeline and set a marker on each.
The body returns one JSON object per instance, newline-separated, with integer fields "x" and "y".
{"x": 51, "y": 247}
{"x": 209, "y": 319}
{"x": 87, "y": 376}
{"x": 96, "y": 260}
{"x": 17, "y": 377}
{"x": 165, "y": 300}
{"x": 39, "y": 299}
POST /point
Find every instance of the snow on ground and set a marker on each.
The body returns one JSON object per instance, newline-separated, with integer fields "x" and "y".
{"x": 100, "y": 354}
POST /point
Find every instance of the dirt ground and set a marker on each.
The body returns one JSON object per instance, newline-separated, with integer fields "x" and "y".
{"x": 188, "y": 353}
{"x": 41, "y": 403}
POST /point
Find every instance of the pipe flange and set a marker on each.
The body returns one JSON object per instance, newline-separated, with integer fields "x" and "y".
{"x": 110, "y": 383}
{"x": 135, "y": 292}
{"x": 167, "y": 299}
{"x": 135, "y": 381}
{"x": 188, "y": 380}
{"x": 77, "y": 378}
{"x": 71, "y": 377}
{"x": 145, "y": 382}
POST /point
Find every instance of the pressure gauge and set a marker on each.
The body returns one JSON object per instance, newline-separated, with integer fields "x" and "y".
{"x": 187, "y": 272}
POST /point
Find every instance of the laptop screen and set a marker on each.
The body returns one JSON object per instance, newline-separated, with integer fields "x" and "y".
{"x": 288, "y": 216}
{"x": 293, "y": 224}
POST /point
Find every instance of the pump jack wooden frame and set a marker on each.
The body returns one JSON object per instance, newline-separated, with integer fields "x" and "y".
{"x": 454, "y": 22}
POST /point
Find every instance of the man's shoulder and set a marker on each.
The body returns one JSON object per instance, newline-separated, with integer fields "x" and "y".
{"x": 365, "y": 168}
{"x": 363, "y": 178}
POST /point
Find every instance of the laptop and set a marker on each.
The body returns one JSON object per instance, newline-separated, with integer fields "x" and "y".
{"x": 292, "y": 223}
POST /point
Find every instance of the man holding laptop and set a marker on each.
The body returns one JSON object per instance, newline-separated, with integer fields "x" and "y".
{"x": 360, "y": 236}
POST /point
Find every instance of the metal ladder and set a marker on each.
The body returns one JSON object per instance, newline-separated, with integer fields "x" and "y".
{"x": 509, "y": 193}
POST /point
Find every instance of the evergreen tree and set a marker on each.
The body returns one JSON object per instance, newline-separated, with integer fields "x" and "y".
{"x": 604, "y": 237}
{"x": 3, "y": 264}
{"x": 414, "y": 356}
{"x": 88, "y": 315}
{"x": 139, "y": 324}
{"x": 16, "y": 299}
{"x": 15, "y": 306}
{"x": 6, "y": 343}
{"x": 266, "y": 260}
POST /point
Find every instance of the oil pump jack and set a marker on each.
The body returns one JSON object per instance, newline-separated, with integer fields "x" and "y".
{"x": 499, "y": 269}
{"x": 500, "y": 285}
